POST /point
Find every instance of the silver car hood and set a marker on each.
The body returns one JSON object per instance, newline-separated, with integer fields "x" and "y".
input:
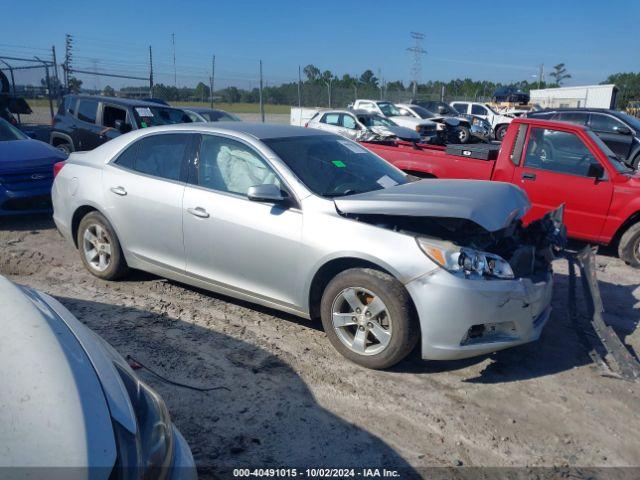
{"x": 492, "y": 205}
{"x": 393, "y": 131}
{"x": 54, "y": 412}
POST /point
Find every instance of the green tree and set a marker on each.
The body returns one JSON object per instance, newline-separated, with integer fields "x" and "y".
{"x": 368, "y": 78}
{"x": 628, "y": 85}
{"x": 108, "y": 91}
{"x": 312, "y": 72}
{"x": 74, "y": 84}
{"x": 202, "y": 92}
{"x": 559, "y": 73}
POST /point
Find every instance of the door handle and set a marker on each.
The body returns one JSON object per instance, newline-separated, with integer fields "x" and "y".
{"x": 119, "y": 191}
{"x": 198, "y": 212}
{"x": 528, "y": 176}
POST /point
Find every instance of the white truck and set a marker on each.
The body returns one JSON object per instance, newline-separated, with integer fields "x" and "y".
{"x": 499, "y": 122}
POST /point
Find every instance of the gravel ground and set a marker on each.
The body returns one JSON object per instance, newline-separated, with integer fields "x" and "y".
{"x": 293, "y": 400}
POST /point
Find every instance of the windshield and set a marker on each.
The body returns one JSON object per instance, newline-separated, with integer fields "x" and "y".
{"x": 375, "y": 121}
{"x": 422, "y": 112}
{"x": 633, "y": 121}
{"x": 153, "y": 116}
{"x": 217, "y": 116}
{"x": 615, "y": 161}
{"x": 332, "y": 166}
{"x": 8, "y": 132}
{"x": 389, "y": 109}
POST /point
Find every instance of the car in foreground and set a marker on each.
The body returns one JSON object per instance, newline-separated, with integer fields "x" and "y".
{"x": 360, "y": 125}
{"x": 313, "y": 224}
{"x": 26, "y": 172}
{"x": 620, "y": 131}
{"x": 71, "y": 405}
{"x": 84, "y": 122}
{"x": 205, "y": 114}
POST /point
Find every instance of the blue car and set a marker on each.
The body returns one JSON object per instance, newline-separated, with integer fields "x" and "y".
{"x": 26, "y": 172}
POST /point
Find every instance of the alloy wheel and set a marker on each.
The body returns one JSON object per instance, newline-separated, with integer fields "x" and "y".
{"x": 361, "y": 321}
{"x": 96, "y": 246}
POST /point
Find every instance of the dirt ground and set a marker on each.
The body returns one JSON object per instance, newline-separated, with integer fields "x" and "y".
{"x": 293, "y": 401}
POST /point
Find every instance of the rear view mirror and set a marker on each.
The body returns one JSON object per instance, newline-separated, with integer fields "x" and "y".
{"x": 596, "y": 170}
{"x": 622, "y": 130}
{"x": 267, "y": 193}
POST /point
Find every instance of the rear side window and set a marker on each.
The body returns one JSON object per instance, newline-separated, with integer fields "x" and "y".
{"x": 331, "y": 119}
{"x": 460, "y": 107}
{"x": 478, "y": 110}
{"x": 160, "y": 156}
{"x": 87, "y": 110}
{"x": 573, "y": 117}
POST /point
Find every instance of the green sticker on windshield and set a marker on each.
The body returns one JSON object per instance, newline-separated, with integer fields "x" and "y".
{"x": 143, "y": 124}
{"x": 339, "y": 163}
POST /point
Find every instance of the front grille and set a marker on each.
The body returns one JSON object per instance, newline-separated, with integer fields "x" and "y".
{"x": 427, "y": 130}
{"x": 39, "y": 202}
{"x": 27, "y": 179}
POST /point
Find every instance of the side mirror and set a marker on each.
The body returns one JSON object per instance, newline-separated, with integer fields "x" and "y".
{"x": 267, "y": 193}
{"x": 596, "y": 170}
{"x": 122, "y": 126}
{"x": 622, "y": 130}
{"x": 441, "y": 109}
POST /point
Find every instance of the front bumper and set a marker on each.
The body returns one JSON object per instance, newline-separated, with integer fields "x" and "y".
{"x": 462, "y": 318}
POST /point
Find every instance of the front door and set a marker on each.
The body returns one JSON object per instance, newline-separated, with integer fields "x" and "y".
{"x": 231, "y": 241}
{"x": 555, "y": 170}
{"x": 143, "y": 190}
{"x": 86, "y": 135}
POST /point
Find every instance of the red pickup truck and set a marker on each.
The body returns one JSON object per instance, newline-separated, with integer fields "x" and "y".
{"x": 555, "y": 163}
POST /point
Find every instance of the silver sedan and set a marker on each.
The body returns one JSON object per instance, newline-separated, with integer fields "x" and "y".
{"x": 314, "y": 224}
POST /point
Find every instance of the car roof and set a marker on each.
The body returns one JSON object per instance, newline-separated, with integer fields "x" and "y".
{"x": 204, "y": 109}
{"x": 131, "y": 102}
{"x": 259, "y": 131}
{"x": 578, "y": 109}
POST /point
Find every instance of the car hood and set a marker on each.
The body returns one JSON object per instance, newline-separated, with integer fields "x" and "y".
{"x": 411, "y": 120}
{"x": 400, "y": 132}
{"x": 492, "y": 205}
{"x": 25, "y": 154}
{"x": 54, "y": 412}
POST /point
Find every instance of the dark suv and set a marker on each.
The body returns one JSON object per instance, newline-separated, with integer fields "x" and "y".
{"x": 84, "y": 122}
{"x": 621, "y": 132}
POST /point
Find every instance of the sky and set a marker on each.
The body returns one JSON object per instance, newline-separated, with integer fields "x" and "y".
{"x": 501, "y": 41}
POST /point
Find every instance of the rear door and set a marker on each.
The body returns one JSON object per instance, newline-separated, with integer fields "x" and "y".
{"x": 606, "y": 127}
{"x": 143, "y": 190}
{"x": 234, "y": 242}
{"x": 553, "y": 170}
{"x": 87, "y": 133}
{"x": 331, "y": 122}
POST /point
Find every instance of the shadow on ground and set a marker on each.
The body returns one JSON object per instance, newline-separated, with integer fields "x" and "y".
{"x": 269, "y": 418}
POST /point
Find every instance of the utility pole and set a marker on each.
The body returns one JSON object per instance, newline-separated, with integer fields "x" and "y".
{"x": 55, "y": 70}
{"x": 150, "y": 72}
{"x": 175, "y": 76}
{"x": 418, "y": 52}
{"x": 261, "y": 103}
{"x": 68, "y": 54}
{"x": 299, "y": 88}
{"x": 212, "y": 82}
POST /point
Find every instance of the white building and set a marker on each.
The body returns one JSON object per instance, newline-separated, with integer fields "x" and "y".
{"x": 590, "y": 96}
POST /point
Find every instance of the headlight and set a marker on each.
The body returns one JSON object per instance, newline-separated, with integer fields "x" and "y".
{"x": 151, "y": 449}
{"x": 418, "y": 128}
{"x": 465, "y": 260}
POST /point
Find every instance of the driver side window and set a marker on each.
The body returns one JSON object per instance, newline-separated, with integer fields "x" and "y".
{"x": 557, "y": 151}
{"x": 230, "y": 166}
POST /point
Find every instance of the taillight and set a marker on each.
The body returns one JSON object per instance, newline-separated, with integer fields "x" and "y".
{"x": 57, "y": 167}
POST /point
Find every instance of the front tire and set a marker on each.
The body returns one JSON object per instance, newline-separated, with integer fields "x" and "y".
{"x": 99, "y": 248}
{"x": 629, "y": 246}
{"x": 501, "y": 131}
{"x": 369, "y": 318}
{"x": 464, "y": 135}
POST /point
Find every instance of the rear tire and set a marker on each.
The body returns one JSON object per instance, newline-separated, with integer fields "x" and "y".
{"x": 629, "y": 246}
{"x": 99, "y": 248}
{"x": 369, "y": 318}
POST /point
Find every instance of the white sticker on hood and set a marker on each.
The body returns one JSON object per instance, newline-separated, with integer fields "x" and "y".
{"x": 144, "y": 111}
{"x": 386, "y": 181}
{"x": 354, "y": 147}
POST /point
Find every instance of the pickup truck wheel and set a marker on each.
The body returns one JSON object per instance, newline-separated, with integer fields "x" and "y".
{"x": 629, "y": 246}
{"x": 500, "y": 132}
{"x": 99, "y": 248}
{"x": 369, "y": 318}
{"x": 463, "y": 134}
{"x": 65, "y": 148}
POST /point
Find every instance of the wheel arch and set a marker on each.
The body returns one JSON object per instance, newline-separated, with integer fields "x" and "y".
{"x": 630, "y": 221}
{"x": 328, "y": 270}
{"x": 57, "y": 138}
